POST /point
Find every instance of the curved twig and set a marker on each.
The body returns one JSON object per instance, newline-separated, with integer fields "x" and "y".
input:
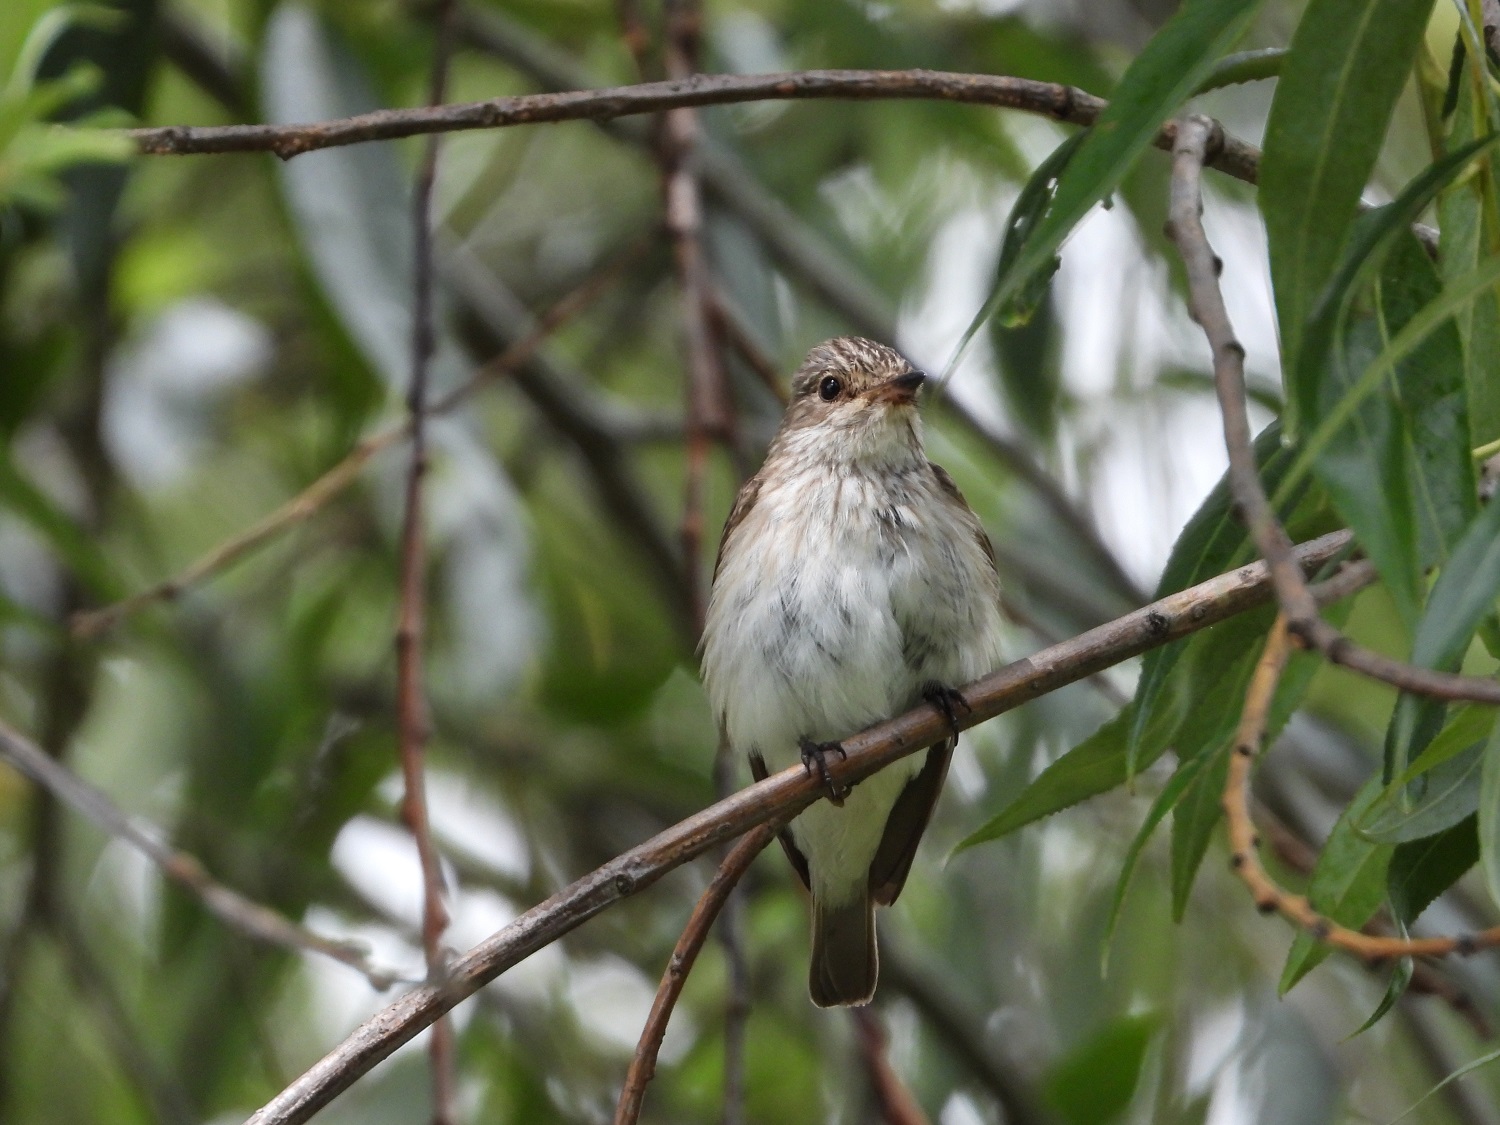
{"x": 643, "y": 1063}
{"x": 1244, "y": 842}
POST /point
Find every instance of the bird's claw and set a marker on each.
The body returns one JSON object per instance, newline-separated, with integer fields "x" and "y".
{"x": 949, "y": 701}
{"x": 814, "y": 754}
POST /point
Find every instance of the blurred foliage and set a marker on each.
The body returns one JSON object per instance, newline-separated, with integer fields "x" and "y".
{"x": 186, "y": 343}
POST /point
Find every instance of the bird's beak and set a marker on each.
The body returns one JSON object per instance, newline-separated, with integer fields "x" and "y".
{"x": 901, "y": 390}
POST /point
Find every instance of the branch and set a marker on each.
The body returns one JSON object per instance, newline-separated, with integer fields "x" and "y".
{"x": 643, "y": 1063}
{"x": 782, "y": 795}
{"x": 412, "y": 712}
{"x": 1049, "y": 99}
{"x": 1197, "y": 138}
{"x": 230, "y": 907}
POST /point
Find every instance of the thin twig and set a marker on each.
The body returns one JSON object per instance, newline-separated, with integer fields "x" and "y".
{"x": 337, "y": 479}
{"x": 709, "y": 410}
{"x": 782, "y": 795}
{"x": 643, "y": 1063}
{"x": 731, "y": 326}
{"x": 893, "y": 1100}
{"x": 1197, "y": 138}
{"x": 232, "y": 908}
{"x": 412, "y": 713}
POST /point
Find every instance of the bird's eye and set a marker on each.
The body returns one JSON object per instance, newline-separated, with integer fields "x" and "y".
{"x": 829, "y": 389}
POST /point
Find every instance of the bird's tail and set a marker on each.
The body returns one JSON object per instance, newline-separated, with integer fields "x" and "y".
{"x": 844, "y": 961}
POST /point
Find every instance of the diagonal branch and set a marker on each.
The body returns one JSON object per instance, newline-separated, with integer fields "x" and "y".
{"x": 1197, "y": 138}
{"x": 782, "y": 795}
{"x": 230, "y": 907}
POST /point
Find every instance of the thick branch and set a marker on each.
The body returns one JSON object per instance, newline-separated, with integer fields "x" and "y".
{"x": 782, "y": 795}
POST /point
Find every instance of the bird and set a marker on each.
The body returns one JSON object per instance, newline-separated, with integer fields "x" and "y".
{"x": 853, "y": 581}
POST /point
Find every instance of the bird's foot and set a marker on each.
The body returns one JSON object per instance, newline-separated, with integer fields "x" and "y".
{"x": 815, "y": 758}
{"x": 950, "y": 702}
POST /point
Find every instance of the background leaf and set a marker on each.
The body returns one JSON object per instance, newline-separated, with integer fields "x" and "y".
{"x": 1339, "y": 82}
{"x": 1160, "y": 79}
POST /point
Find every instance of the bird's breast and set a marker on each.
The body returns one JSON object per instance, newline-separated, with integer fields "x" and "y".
{"x": 823, "y": 615}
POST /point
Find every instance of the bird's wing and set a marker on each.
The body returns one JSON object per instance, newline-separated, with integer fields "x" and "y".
{"x": 907, "y": 822}
{"x": 980, "y": 535}
{"x": 799, "y": 861}
{"x": 743, "y": 502}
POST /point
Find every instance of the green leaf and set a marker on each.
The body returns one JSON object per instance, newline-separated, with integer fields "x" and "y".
{"x": 1456, "y": 296}
{"x": 1429, "y": 794}
{"x": 1429, "y": 386}
{"x": 1026, "y": 215}
{"x": 1372, "y": 236}
{"x": 1161, "y": 78}
{"x": 1193, "y": 824}
{"x": 1214, "y": 714}
{"x": 1462, "y": 596}
{"x": 1339, "y": 82}
{"x": 1469, "y": 1067}
{"x": 1166, "y": 801}
{"x": 1347, "y": 885}
{"x": 1094, "y": 1083}
{"x": 1489, "y": 815}
{"x": 1439, "y": 799}
{"x": 1363, "y": 466}
{"x": 1243, "y": 66}
{"x": 1211, "y": 542}
{"x": 1422, "y": 869}
{"x": 1463, "y": 243}
{"x": 1093, "y": 766}
{"x": 1395, "y": 988}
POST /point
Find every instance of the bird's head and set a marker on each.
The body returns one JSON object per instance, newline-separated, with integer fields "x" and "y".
{"x": 855, "y": 399}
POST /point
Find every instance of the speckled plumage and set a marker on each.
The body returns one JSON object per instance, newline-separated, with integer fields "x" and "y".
{"x": 851, "y": 577}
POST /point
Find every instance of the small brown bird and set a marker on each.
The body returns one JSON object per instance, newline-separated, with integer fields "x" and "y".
{"x": 853, "y": 581}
